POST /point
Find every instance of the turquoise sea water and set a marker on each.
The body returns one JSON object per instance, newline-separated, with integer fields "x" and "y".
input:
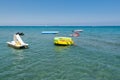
{"x": 96, "y": 55}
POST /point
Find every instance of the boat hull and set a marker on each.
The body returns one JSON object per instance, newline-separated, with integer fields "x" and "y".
{"x": 17, "y": 47}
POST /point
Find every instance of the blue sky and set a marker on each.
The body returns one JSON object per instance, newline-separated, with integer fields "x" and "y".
{"x": 60, "y": 12}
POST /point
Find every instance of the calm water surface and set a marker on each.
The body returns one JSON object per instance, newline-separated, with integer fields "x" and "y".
{"x": 96, "y": 55}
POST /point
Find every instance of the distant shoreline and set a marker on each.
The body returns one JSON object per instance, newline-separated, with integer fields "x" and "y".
{"x": 54, "y": 26}
{"x": 5, "y": 27}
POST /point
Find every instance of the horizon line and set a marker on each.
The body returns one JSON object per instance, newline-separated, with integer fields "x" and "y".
{"x": 57, "y": 25}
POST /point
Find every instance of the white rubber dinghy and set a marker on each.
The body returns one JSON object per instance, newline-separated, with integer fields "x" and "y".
{"x": 17, "y": 42}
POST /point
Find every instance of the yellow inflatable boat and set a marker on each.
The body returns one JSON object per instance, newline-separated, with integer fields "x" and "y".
{"x": 63, "y": 41}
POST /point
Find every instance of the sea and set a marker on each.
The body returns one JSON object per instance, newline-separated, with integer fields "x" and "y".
{"x": 95, "y": 55}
